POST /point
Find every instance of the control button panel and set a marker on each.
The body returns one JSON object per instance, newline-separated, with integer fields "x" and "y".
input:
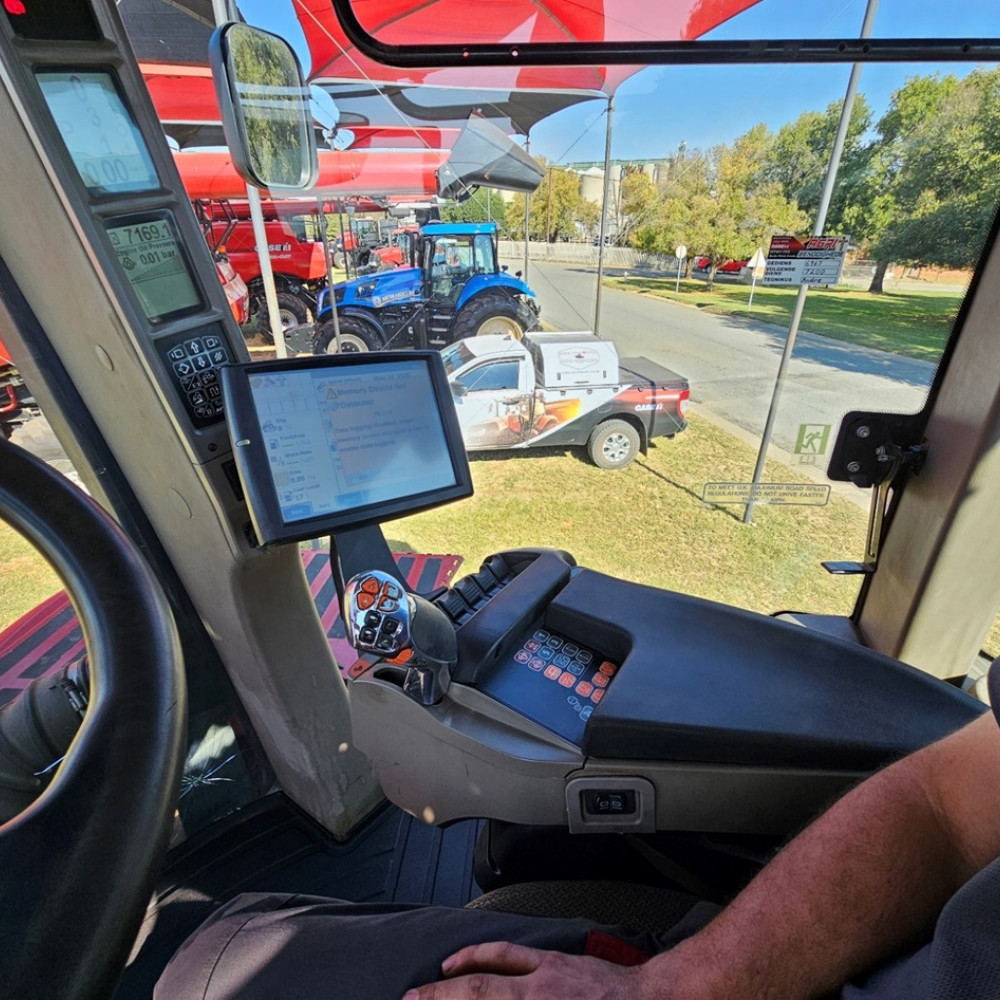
{"x": 193, "y": 359}
{"x": 553, "y": 680}
{"x": 609, "y": 802}
{"x": 376, "y": 619}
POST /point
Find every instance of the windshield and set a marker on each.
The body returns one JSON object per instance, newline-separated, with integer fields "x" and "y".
{"x": 688, "y": 250}
{"x": 456, "y": 356}
{"x": 707, "y": 166}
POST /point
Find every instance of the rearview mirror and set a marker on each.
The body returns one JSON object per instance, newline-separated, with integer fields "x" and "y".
{"x": 265, "y": 107}
{"x": 459, "y": 389}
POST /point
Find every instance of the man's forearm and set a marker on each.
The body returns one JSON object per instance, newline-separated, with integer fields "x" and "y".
{"x": 862, "y": 882}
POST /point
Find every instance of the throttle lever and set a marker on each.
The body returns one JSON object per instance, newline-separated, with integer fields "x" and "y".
{"x": 382, "y": 618}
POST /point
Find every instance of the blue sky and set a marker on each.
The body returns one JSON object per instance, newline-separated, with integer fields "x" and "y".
{"x": 660, "y": 107}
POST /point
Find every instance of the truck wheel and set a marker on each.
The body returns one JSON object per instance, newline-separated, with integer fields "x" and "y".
{"x": 356, "y": 337}
{"x": 292, "y": 310}
{"x": 613, "y": 444}
{"x": 489, "y": 314}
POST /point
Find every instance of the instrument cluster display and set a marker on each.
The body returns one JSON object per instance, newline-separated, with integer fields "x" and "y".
{"x": 100, "y": 133}
{"x": 151, "y": 260}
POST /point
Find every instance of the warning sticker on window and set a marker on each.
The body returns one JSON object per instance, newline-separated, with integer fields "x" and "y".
{"x": 807, "y": 494}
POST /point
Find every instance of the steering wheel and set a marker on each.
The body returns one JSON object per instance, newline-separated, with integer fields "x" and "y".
{"x": 80, "y": 862}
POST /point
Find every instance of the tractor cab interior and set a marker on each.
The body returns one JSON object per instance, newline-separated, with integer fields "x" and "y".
{"x": 534, "y": 720}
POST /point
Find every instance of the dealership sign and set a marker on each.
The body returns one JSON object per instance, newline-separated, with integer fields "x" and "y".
{"x": 818, "y": 261}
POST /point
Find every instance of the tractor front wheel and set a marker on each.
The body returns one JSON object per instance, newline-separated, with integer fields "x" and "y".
{"x": 489, "y": 314}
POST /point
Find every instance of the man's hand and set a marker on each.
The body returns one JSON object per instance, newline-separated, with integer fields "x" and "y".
{"x": 502, "y": 971}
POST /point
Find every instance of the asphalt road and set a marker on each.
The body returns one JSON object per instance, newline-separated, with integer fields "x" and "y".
{"x": 732, "y": 363}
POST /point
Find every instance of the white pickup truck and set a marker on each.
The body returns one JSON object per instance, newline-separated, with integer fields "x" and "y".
{"x": 562, "y": 389}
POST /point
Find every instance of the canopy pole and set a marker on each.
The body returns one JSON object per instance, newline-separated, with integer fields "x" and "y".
{"x": 527, "y": 216}
{"x": 604, "y": 213}
{"x": 328, "y": 260}
{"x": 343, "y": 239}
{"x": 824, "y": 205}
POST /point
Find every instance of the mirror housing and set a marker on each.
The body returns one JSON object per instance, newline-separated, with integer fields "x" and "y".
{"x": 265, "y": 107}
{"x": 459, "y": 389}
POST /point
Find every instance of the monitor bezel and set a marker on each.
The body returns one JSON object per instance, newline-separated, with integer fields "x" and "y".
{"x": 254, "y": 469}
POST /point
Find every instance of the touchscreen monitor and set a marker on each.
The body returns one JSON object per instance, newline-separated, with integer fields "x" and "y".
{"x": 340, "y": 441}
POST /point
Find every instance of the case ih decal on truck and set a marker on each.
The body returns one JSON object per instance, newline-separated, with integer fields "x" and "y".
{"x": 563, "y": 389}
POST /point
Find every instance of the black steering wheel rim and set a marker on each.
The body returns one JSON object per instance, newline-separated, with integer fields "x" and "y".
{"x": 80, "y": 862}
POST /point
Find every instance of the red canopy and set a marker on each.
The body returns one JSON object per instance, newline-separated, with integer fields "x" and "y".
{"x": 412, "y": 174}
{"x": 335, "y": 59}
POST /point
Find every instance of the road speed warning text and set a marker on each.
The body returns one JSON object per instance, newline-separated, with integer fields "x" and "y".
{"x": 802, "y": 494}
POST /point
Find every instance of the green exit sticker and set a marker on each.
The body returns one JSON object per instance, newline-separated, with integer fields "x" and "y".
{"x": 812, "y": 439}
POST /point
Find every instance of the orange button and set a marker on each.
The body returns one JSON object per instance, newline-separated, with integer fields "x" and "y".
{"x": 365, "y": 601}
{"x": 387, "y": 604}
{"x": 583, "y": 689}
{"x": 601, "y": 680}
{"x": 390, "y": 590}
{"x": 567, "y": 680}
{"x": 609, "y": 668}
{"x": 358, "y": 668}
{"x": 370, "y": 586}
{"x": 597, "y": 695}
{"x": 552, "y": 672}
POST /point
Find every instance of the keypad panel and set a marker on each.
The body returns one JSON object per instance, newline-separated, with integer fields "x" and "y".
{"x": 553, "y": 680}
{"x": 193, "y": 359}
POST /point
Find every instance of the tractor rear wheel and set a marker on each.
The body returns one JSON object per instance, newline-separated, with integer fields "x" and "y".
{"x": 356, "y": 337}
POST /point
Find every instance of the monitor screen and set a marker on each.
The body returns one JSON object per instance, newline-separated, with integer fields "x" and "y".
{"x": 333, "y": 442}
{"x": 151, "y": 258}
{"x": 96, "y": 124}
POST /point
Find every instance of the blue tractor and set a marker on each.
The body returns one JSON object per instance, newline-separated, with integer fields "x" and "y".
{"x": 452, "y": 289}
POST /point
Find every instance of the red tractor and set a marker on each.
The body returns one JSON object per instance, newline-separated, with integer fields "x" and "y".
{"x": 293, "y": 244}
{"x": 17, "y": 405}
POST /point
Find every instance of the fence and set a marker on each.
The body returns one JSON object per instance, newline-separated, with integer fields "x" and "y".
{"x": 585, "y": 253}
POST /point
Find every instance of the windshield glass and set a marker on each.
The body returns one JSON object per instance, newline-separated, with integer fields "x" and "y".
{"x": 707, "y": 166}
{"x": 737, "y": 345}
{"x": 456, "y": 356}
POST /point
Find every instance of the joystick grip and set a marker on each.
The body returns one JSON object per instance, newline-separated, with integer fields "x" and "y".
{"x": 382, "y": 618}
{"x": 378, "y": 613}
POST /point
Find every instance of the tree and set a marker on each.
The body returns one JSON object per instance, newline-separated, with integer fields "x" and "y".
{"x": 637, "y": 204}
{"x": 938, "y": 164}
{"x": 798, "y": 157}
{"x": 741, "y": 209}
{"x": 556, "y": 206}
{"x": 480, "y": 206}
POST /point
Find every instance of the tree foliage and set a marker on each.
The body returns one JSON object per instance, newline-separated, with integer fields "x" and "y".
{"x": 720, "y": 205}
{"x": 917, "y": 186}
{"x": 939, "y": 168}
{"x": 481, "y": 206}
{"x": 556, "y": 210}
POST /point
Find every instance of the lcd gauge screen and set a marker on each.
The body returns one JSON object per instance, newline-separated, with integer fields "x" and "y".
{"x": 336, "y": 442}
{"x": 103, "y": 140}
{"x": 152, "y": 261}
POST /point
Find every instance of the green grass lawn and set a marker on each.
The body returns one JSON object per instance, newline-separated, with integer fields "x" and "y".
{"x": 644, "y": 523}
{"x": 25, "y": 578}
{"x": 647, "y": 523}
{"x": 915, "y": 324}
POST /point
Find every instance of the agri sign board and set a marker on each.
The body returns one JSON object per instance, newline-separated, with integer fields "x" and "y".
{"x": 818, "y": 261}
